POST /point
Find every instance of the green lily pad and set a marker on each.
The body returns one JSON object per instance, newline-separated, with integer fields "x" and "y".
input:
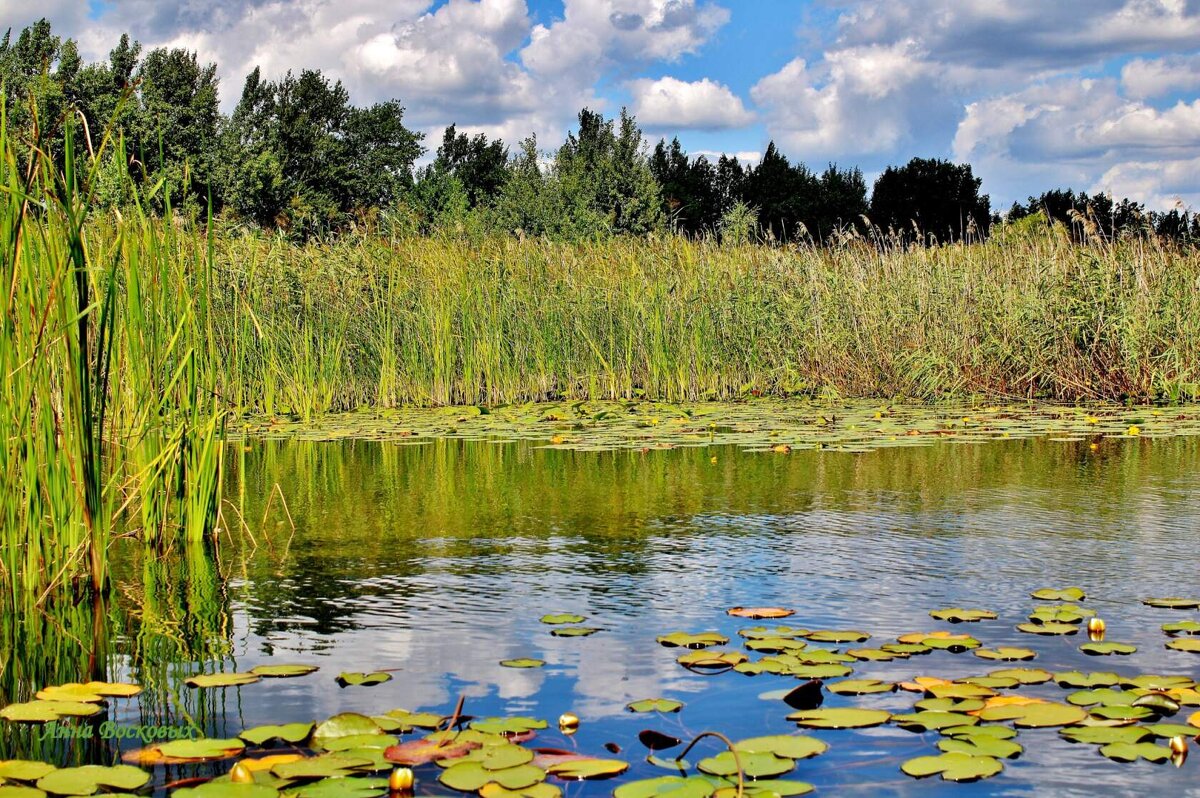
{"x": 1168, "y": 730}
{"x": 359, "y": 742}
{"x": 676, "y": 786}
{"x": 204, "y": 749}
{"x": 326, "y": 766}
{"x": 222, "y": 679}
{"x": 1121, "y": 712}
{"x": 20, "y": 791}
{"x": 860, "y": 687}
{"x": 981, "y": 746}
{"x": 346, "y": 724}
{"x": 574, "y": 631}
{"x": 1182, "y": 628}
{"x": 514, "y": 725}
{"x": 1106, "y": 649}
{"x": 1085, "y": 680}
{"x": 1024, "y": 675}
{"x": 360, "y": 679}
{"x": 767, "y": 788}
{"x": 841, "y": 718}
{"x": 820, "y": 671}
{"x": 215, "y": 789}
{"x": 344, "y": 788}
{"x": 1061, "y": 613}
{"x": 587, "y": 769}
{"x": 563, "y": 618}
{"x": 960, "y": 690}
{"x": 470, "y": 776}
{"x": 960, "y": 615}
{"x": 523, "y": 662}
{"x": 1065, "y": 594}
{"x": 953, "y": 767}
{"x": 955, "y": 644}
{"x": 499, "y": 757}
{"x": 288, "y": 733}
{"x": 539, "y": 790}
{"x": 932, "y": 721}
{"x": 838, "y": 636}
{"x": 1188, "y": 644}
{"x": 88, "y": 779}
{"x": 712, "y": 659}
{"x": 755, "y": 765}
{"x": 949, "y": 705}
{"x": 875, "y": 654}
{"x": 655, "y": 705}
{"x": 1103, "y": 696}
{"x": 1161, "y": 703}
{"x": 1035, "y": 716}
{"x": 761, "y": 632}
{"x": 406, "y": 720}
{"x": 1007, "y": 653}
{"x": 697, "y": 640}
{"x": 908, "y": 649}
{"x": 1131, "y": 752}
{"x": 283, "y": 671}
{"x": 1051, "y": 628}
{"x": 1151, "y": 681}
{"x": 24, "y": 770}
{"x": 48, "y": 711}
{"x": 771, "y": 645}
{"x": 1173, "y": 603}
{"x": 973, "y": 732}
{"x": 789, "y": 746}
{"x": 1104, "y": 735}
{"x": 993, "y": 682}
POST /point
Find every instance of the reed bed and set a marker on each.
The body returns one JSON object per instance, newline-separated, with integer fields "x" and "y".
{"x": 368, "y": 322}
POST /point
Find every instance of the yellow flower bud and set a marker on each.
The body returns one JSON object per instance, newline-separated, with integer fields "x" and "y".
{"x": 240, "y": 774}
{"x": 568, "y": 722}
{"x": 401, "y": 780}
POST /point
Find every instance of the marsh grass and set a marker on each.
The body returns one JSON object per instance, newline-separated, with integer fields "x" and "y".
{"x": 370, "y": 322}
{"x": 108, "y": 420}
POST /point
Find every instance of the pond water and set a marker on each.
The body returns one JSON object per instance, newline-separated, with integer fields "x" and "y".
{"x": 435, "y": 561}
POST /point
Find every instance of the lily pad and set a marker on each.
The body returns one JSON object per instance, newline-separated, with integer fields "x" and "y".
{"x": 1103, "y": 696}
{"x": 1064, "y": 594}
{"x": 697, "y": 640}
{"x": 539, "y": 790}
{"x": 981, "y": 746}
{"x": 421, "y": 752}
{"x": 346, "y": 724}
{"x": 1051, "y": 628}
{"x": 1131, "y": 752}
{"x": 215, "y": 789}
{"x": 562, "y": 618}
{"x": 344, "y": 788}
{"x": 1006, "y": 653}
{"x": 222, "y": 679}
{"x": 360, "y": 679}
{"x": 1182, "y": 628}
{"x": 655, "y": 705}
{"x": 960, "y": 615}
{"x": 523, "y": 662}
{"x": 176, "y": 752}
{"x": 755, "y": 765}
{"x": 517, "y": 724}
{"x": 48, "y": 711}
{"x": 1035, "y": 716}
{"x": 326, "y": 766}
{"x": 1024, "y": 675}
{"x": 860, "y": 687}
{"x": 574, "y": 631}
{"x": 1169, "y": 730}
{"x": 1085, "y": 680}
{"x": 24, "y": 770}
{"x": 1106, "y": 649}
{"x": 1104, "y": 735}
{"x": 676, "y": 786}
{"x": 470, "y": 776}
{"x": 20, "y": 791}
{"x": 712, "y": 659}
{"x": 837, "y": 636}
{"x": 953, "y": 767}
{"x": 1173, "y": 603}
{"x": 789, "y": 746}
{"x": 1188, "y": 644}
{"x": 758, "y": 613}
{"x": 587, "y": 768}
{"x": 88, "y": 779}
{"x": 283, "y": 671}
{"x": 288, "y": 733}
{"x": 841, "y": 718}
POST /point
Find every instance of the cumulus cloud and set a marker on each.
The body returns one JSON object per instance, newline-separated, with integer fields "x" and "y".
{"x": 672, "y": 104}
{"x": 1154, "y": 77}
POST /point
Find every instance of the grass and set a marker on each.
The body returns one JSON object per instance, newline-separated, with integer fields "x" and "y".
{"x": 365, "y": 322}
{"x": 108, "y": 421}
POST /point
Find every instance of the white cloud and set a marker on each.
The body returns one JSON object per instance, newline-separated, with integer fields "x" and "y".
{"x": 1144, "y": 78}
{"x": 672, "y": 104}
{"x": 744, "y": 157}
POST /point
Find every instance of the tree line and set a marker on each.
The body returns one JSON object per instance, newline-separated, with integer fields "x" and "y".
{"x": 296, "y": 155}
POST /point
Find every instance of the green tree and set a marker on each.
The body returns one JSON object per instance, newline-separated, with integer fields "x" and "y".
{"x": 480, "y": 166}
{"x": 938, "y": 198}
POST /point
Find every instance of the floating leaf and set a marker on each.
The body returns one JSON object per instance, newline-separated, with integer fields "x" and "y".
{"x": 1105, "y": 649}
{"x": 1065, "y": 594}
{"x": 1172, "y": 603}
{"x": 47, "y": 711}
{"x": 588, "y": 768}
{"x": 950, "y": 705}
{"x": 875, "y": 654}
{"x": 70, "y": 692}
{"x": 1079, "y": 679}
{"x": 953, "y": 767}
{"x": 346, "y": 724}
{"x": 757, "y": 613}
{"x": 1052, "y": 628}
{"x": 413, "y": 720}
{"x": 860, "y": 687}
{"x": 789, "y": 746}
{"x": 698, "y": 640}
{"x": 19, "y": 791}
{"x": 842, "y": 718}
{"x": 421, "y": 752}
{"x": 539, "y": 790}
{"x": 1035, "y": 715}
{"x": 655, "y": 705}
{"x": 523, "y": 662}
{"x": 959, "y": 690}
{"x": 357, "y": 742}
{"x": 1158, "y": 702}
{"x": 932, "y": 721}
{"x": 981, "y": 746}
{"x": 1007, "y": 653}
{"x": 959, "y": 615}
{"x": 676, "y": 786}
{"x": 754, "y": 765}
{"x": 283, "y": 671}
{"x": 1104, "y": 735}
{"x": 326, "y": 766}
{"x": 471, "y": 776}
{"x": 1188, "y": 644}
{"x": 1024, "y": 675}
{"x": 344, "y": 788}
{"x": 177, "y": 752}
{"x": 837, "y": 636}
{"x": 1124, "y": 712}
{"x": 767, "y": 788}
{"x": 1182, "y": 627}
{"x": 562, "y": 618}
{"x": 508, "y": 726}
{"x": 1169, "y": 730}
{"x": 1131, "y": 752}
{"x": 222, "y": 679}
{"x": 215, "y": 789}
{"x": 1102, "y": 696}
{"x": 1150, "y": 681}
{"x": 88, "y": 779}
{"x": 974, "y": 732}
{"x": 761, "y": 632}
{"x": 288, "y": 733}
{"x": 574, "y": 631}
{"x": 712, "y": 659}
{"x": 360, "y": 679}
{"x": 24, "y": 770}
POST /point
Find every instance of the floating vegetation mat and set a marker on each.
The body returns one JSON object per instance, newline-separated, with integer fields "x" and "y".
{"x": 972, "y": 726}
{"x": 757, "y": 425}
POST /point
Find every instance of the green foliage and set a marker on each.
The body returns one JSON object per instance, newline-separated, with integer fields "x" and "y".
{"x": 930, "y": 200}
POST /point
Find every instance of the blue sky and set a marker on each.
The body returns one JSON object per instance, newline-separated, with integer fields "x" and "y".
{"x": 1101, "y": 95}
